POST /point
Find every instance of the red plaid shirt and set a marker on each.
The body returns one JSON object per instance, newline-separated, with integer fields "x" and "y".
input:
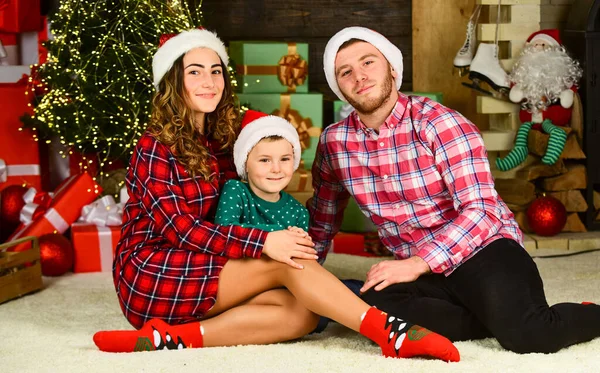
{"x": 424, "y": 181}
{"x": 170, "y": 254}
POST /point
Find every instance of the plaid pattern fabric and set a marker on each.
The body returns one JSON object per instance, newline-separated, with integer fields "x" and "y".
{"x": 168, "y": 260}
{"x": 424, "y": 181}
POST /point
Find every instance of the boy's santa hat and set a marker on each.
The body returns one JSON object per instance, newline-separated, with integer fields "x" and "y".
{"x": 255, "y": 127}
{"x": 173, "y": 46}
{"x": 389, "y": 51}
{"x": 550, "y": 36}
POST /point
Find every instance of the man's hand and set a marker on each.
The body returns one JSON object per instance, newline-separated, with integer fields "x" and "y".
{"x": 391, "y": 272}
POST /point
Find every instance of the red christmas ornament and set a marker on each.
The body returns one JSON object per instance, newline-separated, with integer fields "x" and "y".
{"x": 56, "y": 254}
{"x": 11, "y": 203}
{"x": 546, "y": 216}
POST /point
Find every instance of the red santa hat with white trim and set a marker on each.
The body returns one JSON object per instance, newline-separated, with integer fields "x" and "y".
{"x": 255, "y": 127}
{"x": 550, "y": 36}
{"x": 173, "y": 46}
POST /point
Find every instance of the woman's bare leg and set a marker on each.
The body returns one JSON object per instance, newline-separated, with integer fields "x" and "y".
{"x": 253, "y": 322}
{"x": 315, "y": 288}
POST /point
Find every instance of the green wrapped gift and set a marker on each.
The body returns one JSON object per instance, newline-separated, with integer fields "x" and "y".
{"x": 355, "y": 221}
{"x": 270, "y": 67}
{"x": 304, "y": 111}
{"x": 341, "y": 110}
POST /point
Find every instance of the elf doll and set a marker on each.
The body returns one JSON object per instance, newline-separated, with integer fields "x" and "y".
{"x": 543, "y": 80}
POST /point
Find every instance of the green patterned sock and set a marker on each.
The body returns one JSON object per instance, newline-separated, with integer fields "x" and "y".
{"x": 556, "y": 142}
{"x": 519, "y": 153}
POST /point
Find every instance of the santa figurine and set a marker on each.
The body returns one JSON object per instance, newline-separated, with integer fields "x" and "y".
{"x": 544, "y": 81}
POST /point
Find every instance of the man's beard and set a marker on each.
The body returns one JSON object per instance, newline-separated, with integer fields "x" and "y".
{"x": 369, "y": 106}
{"x": 543, "y": 75}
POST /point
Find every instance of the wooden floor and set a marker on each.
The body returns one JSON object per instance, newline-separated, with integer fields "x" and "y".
{"x": 562, "y": 243}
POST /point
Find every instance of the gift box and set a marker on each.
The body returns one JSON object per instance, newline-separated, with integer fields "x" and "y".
{"x": 341, "y": 110}
{"x": 350, "y": 244}
{"x": 19, "y": 154}
{"x": 304, "y": 111}
{"x": 10, "y": 54}
{"x": 301, "y": 181}
{"x": 63, "y": 210}
{"x": 355, "y": 221}
{"x": 270, "y": 67}
{"x": 18, "y": 16}
{"x": 94, "y": 247}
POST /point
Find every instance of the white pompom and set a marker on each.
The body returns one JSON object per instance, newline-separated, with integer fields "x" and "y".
{"x": 566, "y": 98}
{"x": 516, "y": 94}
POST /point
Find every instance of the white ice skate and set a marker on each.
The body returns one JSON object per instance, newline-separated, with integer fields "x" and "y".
{"x": 464, "y": 56}
{"x": 485, "y": 67}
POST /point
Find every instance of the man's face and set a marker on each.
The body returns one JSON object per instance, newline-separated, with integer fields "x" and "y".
{"x": 364, "y": 76}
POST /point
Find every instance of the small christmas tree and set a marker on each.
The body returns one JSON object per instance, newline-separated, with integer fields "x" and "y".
{"x": 99, "y": 71}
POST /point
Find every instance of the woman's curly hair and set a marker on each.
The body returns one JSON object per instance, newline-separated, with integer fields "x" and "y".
{"x": 172, "y": 121}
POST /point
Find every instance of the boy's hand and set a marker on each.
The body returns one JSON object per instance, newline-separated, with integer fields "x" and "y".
{"x": 299, "y": 231}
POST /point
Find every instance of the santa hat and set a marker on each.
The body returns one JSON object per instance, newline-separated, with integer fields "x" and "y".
{"x": 550, "y": 36}
{"x": 389, "y": 50}
{"x": 173, "y": 46}
{"x": 255, "y": 127}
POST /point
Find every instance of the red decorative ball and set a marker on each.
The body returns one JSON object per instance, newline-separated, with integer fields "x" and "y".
{"x": 546, "y": 216}
{"x": 56, "y": 254}
{"x": 11, "y": 203}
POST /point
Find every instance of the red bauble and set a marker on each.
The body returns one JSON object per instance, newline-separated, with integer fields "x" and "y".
{"x": 546, "y": 216}
{"x": 11, "y": 203}
{"x": 56, "y": 254}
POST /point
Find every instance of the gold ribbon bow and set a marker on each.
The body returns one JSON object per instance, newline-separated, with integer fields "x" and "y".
{"x": 292, "y": 70}
{"x": 303, "y": 126}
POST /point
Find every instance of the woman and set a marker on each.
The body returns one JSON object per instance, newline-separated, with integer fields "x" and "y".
{"x": 174, "y": 267}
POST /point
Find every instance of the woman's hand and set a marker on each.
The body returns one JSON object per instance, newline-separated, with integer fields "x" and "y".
{"x": 284, "y": 245}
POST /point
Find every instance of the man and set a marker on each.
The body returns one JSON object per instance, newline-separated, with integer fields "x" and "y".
{"x": 420, "y": 172}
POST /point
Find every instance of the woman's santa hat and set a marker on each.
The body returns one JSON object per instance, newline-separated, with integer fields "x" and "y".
{"x": 389, "y": 51}
{"x": 255, "y": 127}
{"x": 550, "y": 36}
{"x": 173, "y": 46}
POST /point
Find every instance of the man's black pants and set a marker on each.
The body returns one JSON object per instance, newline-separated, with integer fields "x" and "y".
{"x": 496, "y": 293}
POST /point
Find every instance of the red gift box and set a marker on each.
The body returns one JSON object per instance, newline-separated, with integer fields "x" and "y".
{"x": 19, "y": 154}
{"x": 349, "y": 243}
{"x": 94, "y": 247}
{"x": 65, "y": 208}
{"x": 20, "y": 16}
{"x": 10, "y": 45}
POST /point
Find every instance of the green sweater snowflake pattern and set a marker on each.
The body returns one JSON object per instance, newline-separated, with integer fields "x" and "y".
{"x": 238, "y": 205}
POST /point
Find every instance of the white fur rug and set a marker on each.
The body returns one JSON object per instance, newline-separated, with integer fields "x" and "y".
{"x": 51, "y": 331}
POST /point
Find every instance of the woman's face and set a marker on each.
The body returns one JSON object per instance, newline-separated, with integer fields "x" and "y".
{"x": 203, "y": 80}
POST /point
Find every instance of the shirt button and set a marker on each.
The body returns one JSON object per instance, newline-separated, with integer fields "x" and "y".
{"x": 384, "y": 177}
{"x": 382, "y": 143}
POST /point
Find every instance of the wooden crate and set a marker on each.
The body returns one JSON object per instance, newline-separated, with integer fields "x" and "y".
{"x": 20, "y": 272}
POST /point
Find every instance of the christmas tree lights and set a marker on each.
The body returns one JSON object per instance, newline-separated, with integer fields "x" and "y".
{"x": 95, "y": 90}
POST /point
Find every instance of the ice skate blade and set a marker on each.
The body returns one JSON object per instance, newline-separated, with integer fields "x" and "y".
{"x": 476, "y": 87}
{"x": 476, "y": 77}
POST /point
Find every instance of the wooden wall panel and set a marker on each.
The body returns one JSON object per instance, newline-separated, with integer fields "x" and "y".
{"x": 313, "y": 22}
{"x": 439, "y": 30}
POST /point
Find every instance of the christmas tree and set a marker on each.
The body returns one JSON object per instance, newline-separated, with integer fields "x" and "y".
{"x": 99, "y": 71}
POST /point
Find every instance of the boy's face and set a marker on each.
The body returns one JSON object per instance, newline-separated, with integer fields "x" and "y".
{"x": 364, "y": 77}
{"x": 269, "y": 167}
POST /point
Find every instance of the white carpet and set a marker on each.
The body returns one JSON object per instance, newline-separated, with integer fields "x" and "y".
{"x": 51, "y": 331}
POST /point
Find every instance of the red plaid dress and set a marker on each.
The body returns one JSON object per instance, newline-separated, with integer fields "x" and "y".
{"x": 170, "y": 255}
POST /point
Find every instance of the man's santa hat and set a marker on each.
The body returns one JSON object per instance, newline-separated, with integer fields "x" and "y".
{"x": 173, "y": 46}
{"x": 255, "y": 127}
{"x": 550, "y": 36}
{"x": 389, "y": 51}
